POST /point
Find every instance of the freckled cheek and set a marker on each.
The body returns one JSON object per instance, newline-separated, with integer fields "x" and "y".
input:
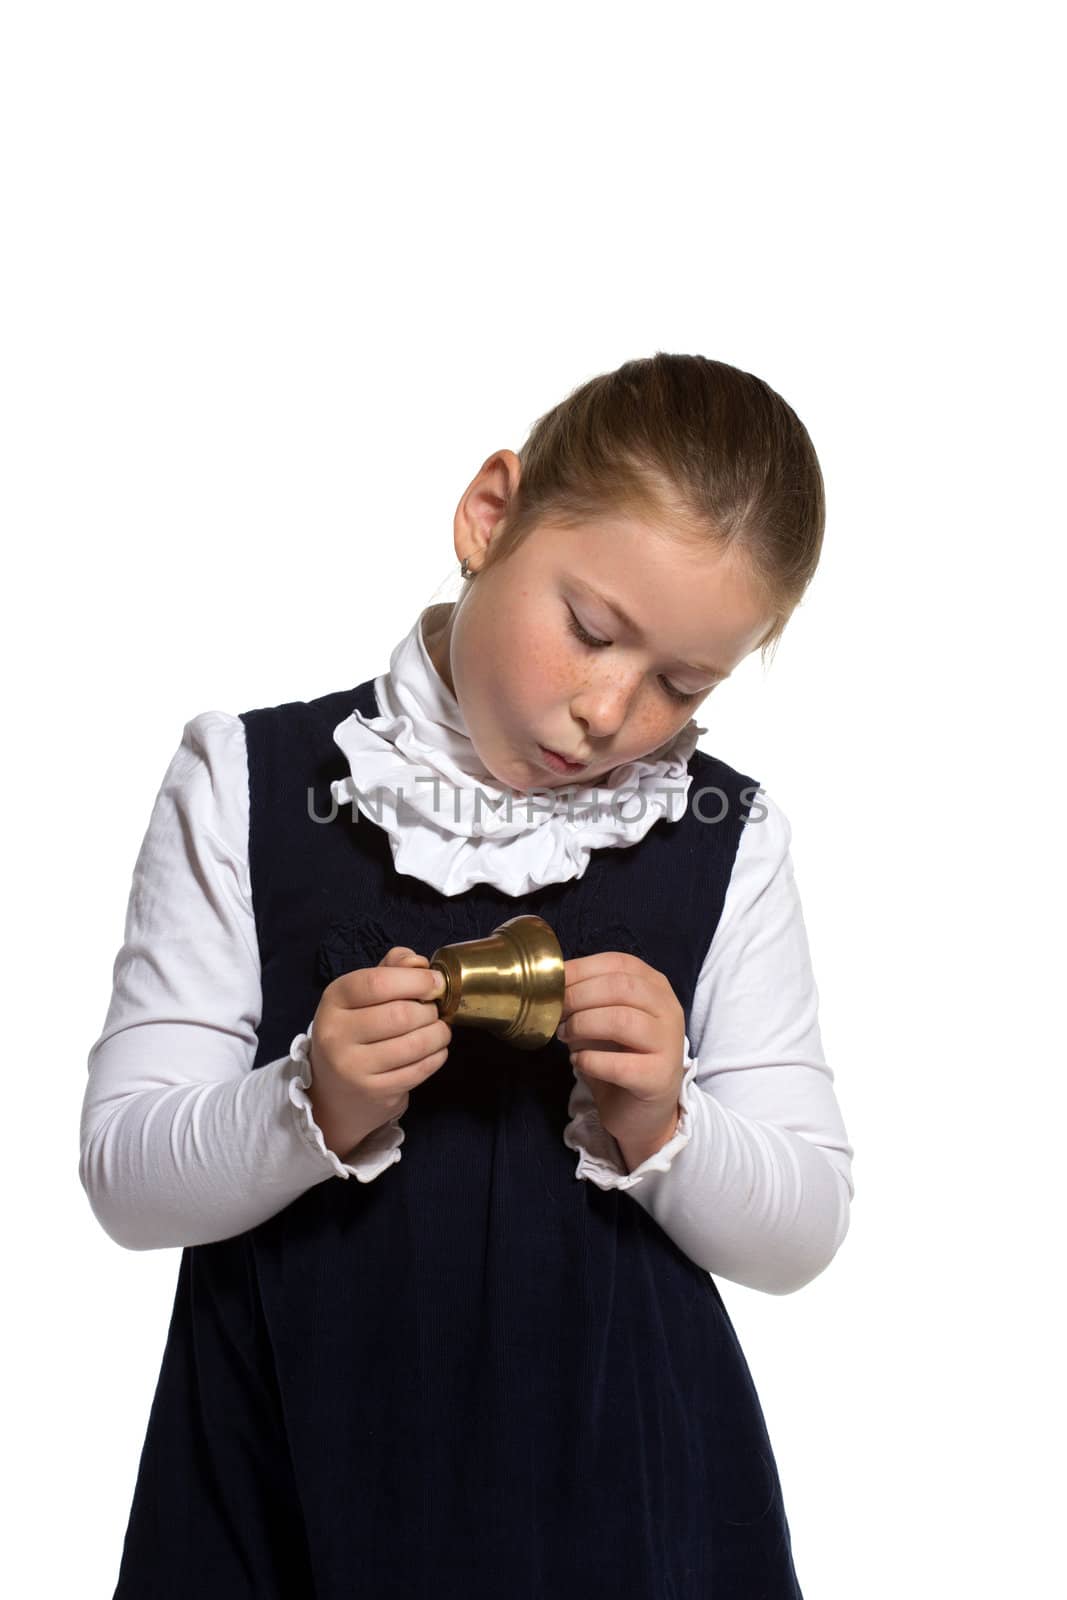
{"x": 648, "y": 727}
{"x": 546, "y": 673}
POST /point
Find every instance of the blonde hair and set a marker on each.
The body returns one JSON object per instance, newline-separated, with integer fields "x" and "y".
{"x": 697, "y": 447}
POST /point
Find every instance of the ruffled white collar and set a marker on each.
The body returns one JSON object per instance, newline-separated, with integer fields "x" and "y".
{"x": 414, "y": 771}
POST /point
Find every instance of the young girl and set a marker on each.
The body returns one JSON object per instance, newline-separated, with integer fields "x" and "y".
{"x": 485, "y": 1369}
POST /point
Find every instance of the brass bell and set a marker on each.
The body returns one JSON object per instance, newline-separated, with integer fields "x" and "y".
{"x": 511, "y": 983}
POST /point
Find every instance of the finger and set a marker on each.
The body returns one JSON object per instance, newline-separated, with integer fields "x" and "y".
{"x": 396, "y": 1015}
{"x": 577, "y": 968}
{"x": 629, "y": 1074}
{"x": 404, "y": 956}
{"x": 372, "y": 986}
{"x": 619, "y": 1025}
{"x": 608, "y": 1066}
{"x": 409, "y": 1049}
{"x": 614, "y": 988}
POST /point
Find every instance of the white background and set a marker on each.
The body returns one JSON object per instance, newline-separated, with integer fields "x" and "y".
{"x": 277, "y": 280}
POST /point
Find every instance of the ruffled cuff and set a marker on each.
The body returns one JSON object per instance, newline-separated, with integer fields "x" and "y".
{"x": 599, "y": 1157}
{"x": 371, "y": 1156}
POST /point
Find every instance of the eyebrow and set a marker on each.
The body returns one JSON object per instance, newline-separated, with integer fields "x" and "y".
{"x": 628, "y": 622}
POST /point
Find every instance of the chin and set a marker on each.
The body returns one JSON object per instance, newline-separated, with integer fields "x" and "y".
{"x": 505, "y": 779}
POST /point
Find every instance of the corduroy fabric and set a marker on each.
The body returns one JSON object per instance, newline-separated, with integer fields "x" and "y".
{"x": 476, "y": 1375}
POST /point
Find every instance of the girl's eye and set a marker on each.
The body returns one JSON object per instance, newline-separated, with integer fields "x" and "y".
{"x": 586, "y": 638}
{"x": 678, "y": 694}
{"x": 601, "y": 644}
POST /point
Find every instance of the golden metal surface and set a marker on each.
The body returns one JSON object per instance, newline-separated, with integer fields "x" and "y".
{"x": 510, "y": 982}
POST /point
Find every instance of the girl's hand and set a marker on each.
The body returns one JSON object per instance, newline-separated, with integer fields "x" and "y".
{"x": 376, "y": 1035}
{"x": 625, "y": 1030}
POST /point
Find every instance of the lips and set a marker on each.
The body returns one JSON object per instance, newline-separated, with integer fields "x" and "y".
{"x": 566, "y": 761}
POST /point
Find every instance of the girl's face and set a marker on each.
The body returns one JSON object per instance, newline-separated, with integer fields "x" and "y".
{"x": 515, "y": 649}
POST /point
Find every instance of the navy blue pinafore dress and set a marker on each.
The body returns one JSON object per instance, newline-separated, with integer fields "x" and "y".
{"x": 476, "y": 1377}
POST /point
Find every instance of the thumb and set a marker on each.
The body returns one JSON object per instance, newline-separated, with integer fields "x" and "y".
{"x": 401, "y": 955}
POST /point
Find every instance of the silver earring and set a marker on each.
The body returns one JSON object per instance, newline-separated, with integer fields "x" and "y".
{"x": 464, "y": 569}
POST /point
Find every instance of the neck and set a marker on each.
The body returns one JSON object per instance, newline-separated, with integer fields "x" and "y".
{"x": 436, "y": 636}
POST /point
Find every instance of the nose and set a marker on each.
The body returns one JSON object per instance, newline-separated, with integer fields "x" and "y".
{"x": 602, "y": 707}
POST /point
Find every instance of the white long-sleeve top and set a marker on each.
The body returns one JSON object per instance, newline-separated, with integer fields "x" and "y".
{"x": 182, "y": 1143}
